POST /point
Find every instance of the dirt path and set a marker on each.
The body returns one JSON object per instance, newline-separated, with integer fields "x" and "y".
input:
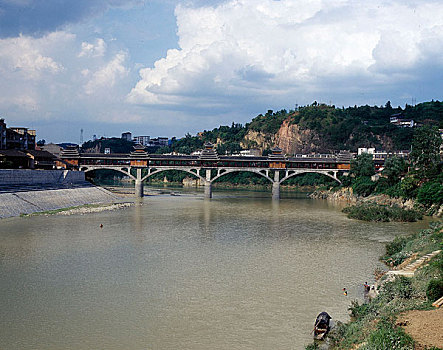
{"x": 426, "y": 327}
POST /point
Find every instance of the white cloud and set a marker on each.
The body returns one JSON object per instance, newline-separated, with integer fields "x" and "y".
{"x": 27, "y": 57}
{"x": 107, "y": 76}
{"x": 267, "y": 48}
{"x": 44, "y": 78}
{"x": 91, "y": 50}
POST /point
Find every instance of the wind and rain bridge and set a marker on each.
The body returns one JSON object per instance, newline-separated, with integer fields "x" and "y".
{"x": 209, "y": 166}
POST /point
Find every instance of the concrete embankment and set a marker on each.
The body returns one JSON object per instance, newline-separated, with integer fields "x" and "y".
{"x": 30, "y": 191}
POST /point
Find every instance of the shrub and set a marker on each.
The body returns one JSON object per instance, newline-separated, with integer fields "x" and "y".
{"x": 394, "y": 191}
{"x": 396, "y": 245}
{"x": 401, "y": 287}
{"x": 375, "y": 212}
{"x": 363, "y": 186}
{"x": 361, "y": 311}
{"x": 430, "y": 193}
{"x": 387, "y": 337}
{"x": 437, "y": 262}
{"x": 397, "y": 258}
{"x": 408, "y": 187}
{"x": 435, "y": 289}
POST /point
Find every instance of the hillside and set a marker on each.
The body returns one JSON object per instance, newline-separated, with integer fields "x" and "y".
{"x": 317, "y": 128}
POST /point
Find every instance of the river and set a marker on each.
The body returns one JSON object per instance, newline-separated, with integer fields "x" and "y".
{"x": 239, "y": 271}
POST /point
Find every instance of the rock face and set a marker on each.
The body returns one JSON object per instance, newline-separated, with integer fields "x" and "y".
{"x": 345, "y": 195}
{"x": 290, "y": 138}
{"x": 256, "y": 139}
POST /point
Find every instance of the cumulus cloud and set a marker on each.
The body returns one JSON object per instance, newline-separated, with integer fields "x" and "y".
{"x": 265, "y": 49}
{"x": 106, "y": 76}
{"x": 37, "y": 17}
{"x": 27, "y": 58}
{"x": 93, "y": 50}
{"x": 41, "y": 81}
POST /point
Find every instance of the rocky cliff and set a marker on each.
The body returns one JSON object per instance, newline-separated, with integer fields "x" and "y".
{"x": 290, "y": 138}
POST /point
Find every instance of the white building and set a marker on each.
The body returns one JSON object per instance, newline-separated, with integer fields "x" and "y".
{"x": 142, "y": 140}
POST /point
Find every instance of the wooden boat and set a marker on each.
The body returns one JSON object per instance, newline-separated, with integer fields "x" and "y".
{"x": 321, "y": 325}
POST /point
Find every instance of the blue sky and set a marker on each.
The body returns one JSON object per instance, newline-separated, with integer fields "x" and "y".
{"x": 168, "y": 67}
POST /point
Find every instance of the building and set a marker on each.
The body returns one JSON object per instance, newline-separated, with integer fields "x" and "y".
{"x": 142, "y": 140}
{"x": 377, "y": 155}
{"x": 127, "y": 136}
{"x": 2, "y": 134}
{"x": 16, "y": 137}
{"x": 163, "y": 141}
{"x": 39, "y": 159}
{"x": 250, "y": 153}
{"x": 20, "y": 138}
{"x": 13, "y": 159}
{"x": 52, "y": 148}
{"x": 399, "y": 120}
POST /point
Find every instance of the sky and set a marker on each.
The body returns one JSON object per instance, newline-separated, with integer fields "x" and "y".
{"x": 169, "y": 67}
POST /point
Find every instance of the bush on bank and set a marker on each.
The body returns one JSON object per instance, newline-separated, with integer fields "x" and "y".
{"x": 376, "y": 212}
{"x": 373, "y": 324}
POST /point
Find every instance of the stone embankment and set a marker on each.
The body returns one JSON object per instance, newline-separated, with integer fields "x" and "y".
{"x": 31, "y": 191}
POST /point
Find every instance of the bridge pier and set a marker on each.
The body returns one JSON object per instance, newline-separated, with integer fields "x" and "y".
{"x": 208, "y": 184}
{"x": 139, "y": 191}
{"x": 276, "y": 186}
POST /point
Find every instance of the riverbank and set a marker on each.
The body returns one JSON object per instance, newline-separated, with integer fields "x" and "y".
{"x": 23, "y": 201}
{"x": 84, "y": 209}
{"x": 399, "y": 317}
{"x": 347, "y": 195}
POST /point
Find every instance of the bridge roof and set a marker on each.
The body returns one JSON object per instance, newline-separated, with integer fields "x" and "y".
{"x": 307, "y": 159}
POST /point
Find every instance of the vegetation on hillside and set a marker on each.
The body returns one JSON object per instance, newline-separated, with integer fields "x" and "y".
{"x": 366, "y": 126}
{"x": 338, "y": 128}
{"x": 115, "y": 144}
{"x": 423, "y": 182}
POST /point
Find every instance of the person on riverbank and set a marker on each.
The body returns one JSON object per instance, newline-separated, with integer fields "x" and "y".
{"x": 367, "y": 287}
{"x": 345, "y": 292}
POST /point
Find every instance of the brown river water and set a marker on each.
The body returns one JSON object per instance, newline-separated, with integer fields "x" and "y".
{"x": 239, "y": 271}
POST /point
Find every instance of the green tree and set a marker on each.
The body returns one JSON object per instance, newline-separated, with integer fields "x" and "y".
{"x": 430, "y": 193}
{"x": 394, "y": 168}
{"x": 425, "y": 154}
{"x": 363, "y": 165}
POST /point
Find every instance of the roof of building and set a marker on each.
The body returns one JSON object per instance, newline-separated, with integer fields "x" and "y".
{"x": 41, "y": 154}
{"x": 13, "y": 153}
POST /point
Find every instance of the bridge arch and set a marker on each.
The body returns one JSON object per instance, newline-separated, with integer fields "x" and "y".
{"x": 229, "y": 171}
{"x": 87, "y": 169}
{"x": 191, "y": 171}
{"x": 312, "y": 171}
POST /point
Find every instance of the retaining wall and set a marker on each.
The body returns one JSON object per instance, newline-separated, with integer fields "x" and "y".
{"x": 22, "y": 193}
{"x": 15, "y": 204}
{"x": 36, "y": 177}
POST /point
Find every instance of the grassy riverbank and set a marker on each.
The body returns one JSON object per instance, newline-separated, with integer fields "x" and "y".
{"x": 379, "y": 324}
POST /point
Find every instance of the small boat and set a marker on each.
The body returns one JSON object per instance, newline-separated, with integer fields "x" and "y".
{"x": 321, "y": 326}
